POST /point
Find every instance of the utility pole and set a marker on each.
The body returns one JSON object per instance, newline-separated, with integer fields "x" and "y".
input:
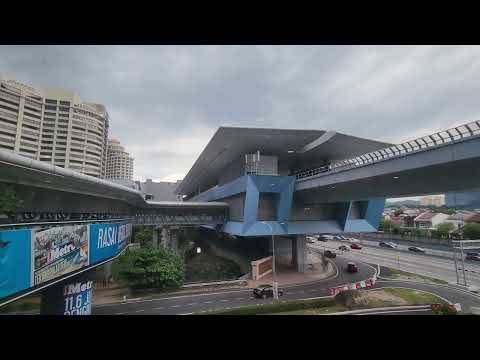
{"x": 463, "y": 264}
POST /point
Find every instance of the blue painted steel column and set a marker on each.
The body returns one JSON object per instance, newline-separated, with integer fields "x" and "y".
{"x": 344, "y": 214}
{"x": 251, "y": 204}
{"x": 374, "y": 211}
{"x": 284, "y": 205}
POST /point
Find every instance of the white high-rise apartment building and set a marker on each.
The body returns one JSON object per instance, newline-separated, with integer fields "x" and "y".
{"x": 119, "y": 162}
{"x": 55, "y": 126}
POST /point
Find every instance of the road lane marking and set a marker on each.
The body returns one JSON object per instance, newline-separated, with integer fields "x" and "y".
{"x": 159, "y": 308}
{"x": 191, "y": 304}
{"x": 139, "y": 311}
{"x": 208, "y": 302}
{"x": 122, "y": 313}
{"x": 224, "y": 300}
{"x": 175, "y": 306}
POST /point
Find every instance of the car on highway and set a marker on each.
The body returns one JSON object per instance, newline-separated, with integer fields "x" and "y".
{"x": 352, "y": 267}
{"x": 264, "y": 291}
{"x": 356, "y": 246}
{"x": 324, "y": 238}
{"x": 343, "y": 248}
{"x": 473, "y": 256}
{"x": 311, "y": 240}
{"x": 330, "y": 254}
{"x": 388, "y": 244}
{"x": 416, "y": 249}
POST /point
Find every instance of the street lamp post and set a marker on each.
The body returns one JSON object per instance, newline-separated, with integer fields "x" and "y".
{"x": 274, "y": 280}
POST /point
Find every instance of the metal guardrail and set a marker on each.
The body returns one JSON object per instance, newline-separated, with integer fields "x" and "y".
{"x": 456, "y": 134}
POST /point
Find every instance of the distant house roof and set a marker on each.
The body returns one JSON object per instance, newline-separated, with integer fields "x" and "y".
{"x": 461, "y": 216}
{"x": 474, "y": 218}
{"x": 426, "y": 216}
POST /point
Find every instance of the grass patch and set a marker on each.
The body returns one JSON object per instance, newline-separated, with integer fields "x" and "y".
{"x": 399, "y": 274}
{"x": 414, "y": 297}
{"x": 316, "y": 311}
{"x": 273, "y": 308}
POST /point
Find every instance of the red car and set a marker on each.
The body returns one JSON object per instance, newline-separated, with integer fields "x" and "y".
{"x": 356, "y": 246}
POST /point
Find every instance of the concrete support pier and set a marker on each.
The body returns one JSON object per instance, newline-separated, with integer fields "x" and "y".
{"x": 299, "y": 252}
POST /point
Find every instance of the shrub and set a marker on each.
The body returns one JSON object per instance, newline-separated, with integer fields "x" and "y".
{"x": 471, "y": 231}
{"x": 444, "y": 309}
{"x": 351, "y": 299}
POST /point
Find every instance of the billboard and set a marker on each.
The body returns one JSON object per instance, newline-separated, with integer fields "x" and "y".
{"x": 107, "y": 240}
{"x": 58, "y": 251}
{"x": 32, "y": 257}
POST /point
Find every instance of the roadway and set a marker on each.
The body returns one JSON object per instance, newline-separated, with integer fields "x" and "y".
{"x": 185, "y": 304}
{"x": 423, "y": 264}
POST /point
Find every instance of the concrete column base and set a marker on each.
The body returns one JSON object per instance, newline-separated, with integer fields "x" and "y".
{"x": 299, "y": 252}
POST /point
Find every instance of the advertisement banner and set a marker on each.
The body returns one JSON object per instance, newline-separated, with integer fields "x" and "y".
{"x": 107, "y": 240}
{"x": 15, "y": 261}
{"x": 78, "y": 298}
{"x": 58, "y": 251}
{"x": 73, "y": 297}
{"x": 32, "y": 257}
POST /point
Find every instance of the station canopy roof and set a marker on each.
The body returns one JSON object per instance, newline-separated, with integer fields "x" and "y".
{"x": 291, "y": 146}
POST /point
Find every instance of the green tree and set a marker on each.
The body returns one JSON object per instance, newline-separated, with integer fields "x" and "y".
{"x": 149, "y": 267}
{"x": 9, "y": 201}
{"x": 443, "y": 229}
{"x": 143, "y": 235}
{"x": 471, "y": 231}
{"x": 388, "y": 225}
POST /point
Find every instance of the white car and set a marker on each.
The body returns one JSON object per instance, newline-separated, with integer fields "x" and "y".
{"x": 311, "y": 239}
{"x": 353, "y": 240}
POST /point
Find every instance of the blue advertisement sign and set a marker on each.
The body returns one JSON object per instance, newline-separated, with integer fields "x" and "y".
{"x": 107, "y": 240}
{"x": 15, "y": 263}
{"x": 34, "y": 256}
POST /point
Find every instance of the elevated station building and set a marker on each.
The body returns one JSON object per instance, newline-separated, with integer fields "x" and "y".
{"x": 254, "y": 171}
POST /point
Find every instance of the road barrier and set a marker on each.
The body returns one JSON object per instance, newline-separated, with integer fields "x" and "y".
{"x": 364, "y": 284}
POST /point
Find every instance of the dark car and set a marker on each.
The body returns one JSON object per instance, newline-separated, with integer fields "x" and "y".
{"x": 343, "y": 248}
{"x": 473, "y": 257}
{"x": 356, "y": 246}
{"x": 330, "y": 254}
{"x": 416, "y": 249}
{"x": 322, "y": 238}
{"x": 387, "y": 244}
{"x": 264, "y": 291}
{"x": 352, "y": 267}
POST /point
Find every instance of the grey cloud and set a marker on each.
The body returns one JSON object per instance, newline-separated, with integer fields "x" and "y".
{"x": 159, "y": 97}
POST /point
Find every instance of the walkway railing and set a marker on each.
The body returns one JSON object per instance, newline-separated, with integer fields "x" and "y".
{"x": 453, "y": 135}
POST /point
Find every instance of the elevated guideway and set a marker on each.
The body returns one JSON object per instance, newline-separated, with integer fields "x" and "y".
{"x": 446, "y": 161}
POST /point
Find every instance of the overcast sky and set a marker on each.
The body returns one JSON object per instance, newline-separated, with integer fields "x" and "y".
{"x": 165, "y": 102}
